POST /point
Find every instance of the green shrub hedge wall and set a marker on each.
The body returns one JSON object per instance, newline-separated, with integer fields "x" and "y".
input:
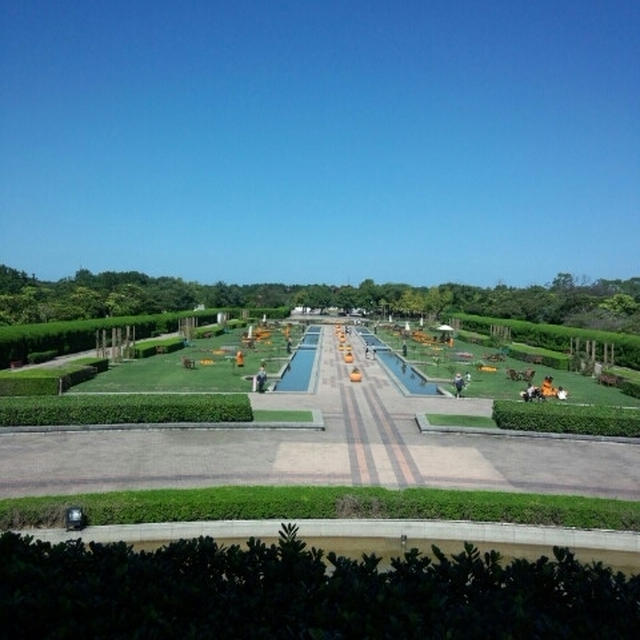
{"x": 28, "y": 383}
{"x": 303, "y": 502}
{"x": 41, "y": 356}
{"x": 44, "y": 382}
{"x": 151, "y": 347}
{"x": 201, "y": 589}
{"x": 557, "y": 337}
{"x": 630, "y": 388}
{"x": 473, "y": 337}
{"x": 120, "y": 409}
{"x": 209, "y": 331}
{"x": 17, "y": 341}
{"x": 548, "y": 358}
{"x": 558, "y": 417}
{"x": 101, "y": 364}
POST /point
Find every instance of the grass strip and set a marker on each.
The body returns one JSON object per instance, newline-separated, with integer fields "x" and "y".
{"x": 292, "y": 503}
{"x": 446, "y": 420}
{"x": 277, "y": 415}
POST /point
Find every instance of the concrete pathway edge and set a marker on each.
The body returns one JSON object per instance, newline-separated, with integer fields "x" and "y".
{"x": 478, "y": 532}
{"x": 317, "y": 424}
{"x": 426, "y": 427}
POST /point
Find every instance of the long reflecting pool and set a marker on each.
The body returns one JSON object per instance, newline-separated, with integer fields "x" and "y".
{"x": 298, "y": 374}
{"x": 407, "y": 376}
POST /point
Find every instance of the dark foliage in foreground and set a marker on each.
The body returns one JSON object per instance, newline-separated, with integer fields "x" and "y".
{"x": 198, "y": 589}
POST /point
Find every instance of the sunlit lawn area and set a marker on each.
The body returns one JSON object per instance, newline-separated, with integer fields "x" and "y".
{"x": 441, "y": 364}
{"x": 274, "y": 415}
{"x": 215, "y": 369}
{"x": 446, "y": 420}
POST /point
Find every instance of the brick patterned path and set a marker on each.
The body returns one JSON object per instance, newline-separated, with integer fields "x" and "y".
{"x": 371, "y": 438}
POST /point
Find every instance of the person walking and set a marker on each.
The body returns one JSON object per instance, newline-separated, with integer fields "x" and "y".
{"x": 458, "y": 383}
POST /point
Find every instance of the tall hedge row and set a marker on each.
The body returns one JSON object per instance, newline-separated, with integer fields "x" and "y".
{"x": 18, "y": 341}
{"x": 125, "y": 409}
{"x": 200, "y": 589}
{"x": 47, "y": 382}
{"x": 559, "y": 417}
{"x": 558, "y": 337}
{"x": 548, "y": 358}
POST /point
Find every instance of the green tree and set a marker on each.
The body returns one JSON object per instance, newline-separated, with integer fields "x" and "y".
{"x": 621, "y": 304}
{"x": 128, "y": 300}
{"x": 346, "y": 298}
{"x": 90, "y": 303}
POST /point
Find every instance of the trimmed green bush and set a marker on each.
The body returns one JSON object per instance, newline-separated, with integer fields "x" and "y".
{"x": 29, "y": 383}
{"x": 630, "y": 388}
{"x": 558, "y": 417}
{"x": 41, "y": 356}
{"x": 548, "y": 358}
{"x": 101, "y": 364}
{"x": 121, "y": 409}
{"x": 44, "y": 382}
{"x": 17, "y": 341}
{"x": 209, "y": 331}
{"x": 303, "y": 502}
{"x": 151, "y": 347}
{"x": 474, "y": 338}
{"x": 76, "y": 375}
{"x": 558, "y": 337}
{"x": 201, "y": 589}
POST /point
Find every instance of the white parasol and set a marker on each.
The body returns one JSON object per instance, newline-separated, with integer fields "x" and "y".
{"x": 445, "y": 327}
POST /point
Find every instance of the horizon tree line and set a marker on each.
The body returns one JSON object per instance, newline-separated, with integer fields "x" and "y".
{"x": 612, "y": 305}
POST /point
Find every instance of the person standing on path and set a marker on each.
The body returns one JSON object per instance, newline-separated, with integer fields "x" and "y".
{"x": 458, "y": 383}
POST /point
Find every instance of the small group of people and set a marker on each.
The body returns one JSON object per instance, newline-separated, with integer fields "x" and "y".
{"x": 546, "y": 390}
{"x": 549, "y": 391}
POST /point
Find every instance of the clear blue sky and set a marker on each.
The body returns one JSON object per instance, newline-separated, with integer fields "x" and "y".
{"x": 304, "y": 142}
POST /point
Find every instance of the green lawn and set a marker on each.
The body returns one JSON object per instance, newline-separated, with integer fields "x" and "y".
{"x": 165, "y": 372}
{"x": 441, "y": 364}
{"x": 446, "y": 420}
{"x": 269, "y": 415}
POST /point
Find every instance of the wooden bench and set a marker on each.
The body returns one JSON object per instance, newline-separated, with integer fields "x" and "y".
{"x": 608, "y": 380}
{"x": 188, "y": 363}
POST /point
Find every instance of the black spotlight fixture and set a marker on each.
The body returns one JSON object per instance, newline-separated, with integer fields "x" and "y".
{"x": 74, "y": 518}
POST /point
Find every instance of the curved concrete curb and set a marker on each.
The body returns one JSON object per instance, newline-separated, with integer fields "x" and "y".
{"x": 317, "y": 424}
{"x": 426, "y": 427}
{"x": 454, "y": 530}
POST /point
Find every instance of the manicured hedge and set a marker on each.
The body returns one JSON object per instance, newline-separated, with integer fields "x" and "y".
{"x": 552, "y": 359}
{"x": 126, "y": 408}
{"x": 559, "y": 417}
{"x": 44, "y": 382}
{"x": 17, "y": 341}
{"x": 630, "y": 388}
{"x": 151, "y": 347}
{"x": 41, "y": 356}
{"x": 558, "y": 337}
{"x": 101, "y": 364}
{"x": 473, "y": 337}
{"x": 304, "y": 502}
{"x": 201, "y": 589}
{"x": 209, "y": 331}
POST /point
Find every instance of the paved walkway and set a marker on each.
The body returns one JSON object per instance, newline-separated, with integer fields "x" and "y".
{"x": 371, "y": 438}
